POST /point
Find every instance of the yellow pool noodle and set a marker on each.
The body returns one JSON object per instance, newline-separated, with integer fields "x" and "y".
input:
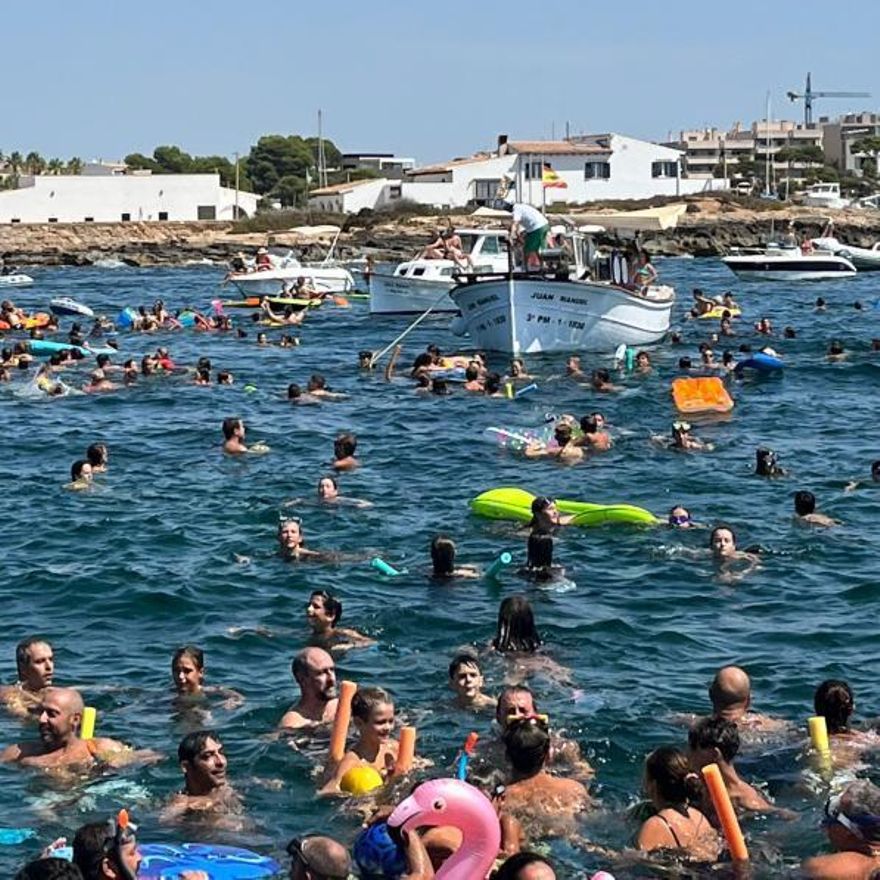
{"x": 819, "y": 733}
{"x": 87, "y": 723}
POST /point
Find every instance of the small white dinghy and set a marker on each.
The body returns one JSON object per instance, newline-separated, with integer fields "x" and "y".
{"x": 65, "y": 306}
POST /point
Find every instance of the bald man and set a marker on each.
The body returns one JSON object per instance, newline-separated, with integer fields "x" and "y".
{"x": 35, "y": 663}
{"x": 59, "y": 745}
{"x": 315, "y": 673}
{"x": 316, "y": 856}
{"x": 731, "y": 696}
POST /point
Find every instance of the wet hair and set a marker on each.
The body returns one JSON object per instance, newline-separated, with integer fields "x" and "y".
{"x": 439, "y": 386}
{"x": 23, "y": 649}
{"x": 345, "y": 445}
{"x": 527, "y": 745}
{"x": 443, "y": 555}
{"x": 423, "y": 380}
{"x": 367, "y": 699}
{"x": 836, "y": 347}
{"x": 601, "y": 376}
{"x": 49, "y": 868}
{"x": 332, "y": 480}
{"x": 727, "y": 358}
{"x": 589, "y": 424}
{"x": 820, "y": 301}
{"x": 293, "y": 391}
{"x": 511, "y": 868}
{"x": 669, "y": 770}
{"x": 193, "y": 743}
{"x": 562, "y": 433}
{"x": 76, "y": 468}
{"x": 230, "y": 426}
{"x": 96, "y": 454}
{"x": 203, "y": 375}
{"x": 317, "y": 382}
{"x": 422, "y": 360}
{"x": 103, "y": 360}
{"x": 224, "y": 377}
{"x": 715, "y": 733}
{"x": 332, "y": 605}
{"x": 493, "y": 383}
{"x": 684, "y": 363}
{"x": 91, "y": 845}
{"x": 472, "y": 372}
{"x": 722, "y": 527}
{"x": 433, "y": 350}
{"x": 804, "y": 502}
{"x": 765, "y": 462}
{"x": 197, "y": 655}
{"x": 540, "y": 551}
{"x": 463, "y": 658}
{"x": 789, "y": 333}
{"x": 834, "y": 699}
{"x": 203, "y": 363}
{"x": 516, "y": 629}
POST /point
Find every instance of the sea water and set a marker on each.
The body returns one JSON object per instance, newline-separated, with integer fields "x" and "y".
{"x": 176, "y": 545}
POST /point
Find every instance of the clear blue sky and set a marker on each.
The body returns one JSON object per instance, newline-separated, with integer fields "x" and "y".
{"x": 430, "y": 80}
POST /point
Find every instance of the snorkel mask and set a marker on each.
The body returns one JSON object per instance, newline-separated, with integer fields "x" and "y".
{"x": 122, "y": 831}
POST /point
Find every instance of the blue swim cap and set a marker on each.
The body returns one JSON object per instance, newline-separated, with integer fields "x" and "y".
{"x": 377, "y": 855}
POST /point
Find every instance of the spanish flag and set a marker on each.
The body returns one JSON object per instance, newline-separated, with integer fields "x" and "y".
{"x": 550, "y": 178}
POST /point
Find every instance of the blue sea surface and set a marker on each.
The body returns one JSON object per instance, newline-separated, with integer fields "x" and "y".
{"x": 151, "y": 558}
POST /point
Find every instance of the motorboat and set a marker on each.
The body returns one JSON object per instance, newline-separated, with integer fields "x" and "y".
{"x": 281, "y": 273}
{"x": 824, "y": 195}
{"x": 588, "y": 306}
{"x": 864, "y": 259}
{"x": 14, "y": 278}
{"x": 417, "y": 285}
{"x": 65, "y": 306}
{"x": 787, "y": 263}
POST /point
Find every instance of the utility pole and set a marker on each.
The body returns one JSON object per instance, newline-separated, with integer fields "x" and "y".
{"x": 236, "y": 186}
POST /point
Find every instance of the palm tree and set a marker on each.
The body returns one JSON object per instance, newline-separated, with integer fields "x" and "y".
{"x": 35, "y": 163}
{"x": 55, "y": 166}
{"x": 74, "y": 165}
{"x": 15, "y": 161}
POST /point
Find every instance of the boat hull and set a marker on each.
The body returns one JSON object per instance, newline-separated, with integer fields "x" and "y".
{"x": 529, "y": 315}
{"x": 395, "y": 295}
{"x": 325, "y": 279}
{"x": 18, "y": 279}
{"x": 864, "y": 259}
{"x": 814, "y": 267}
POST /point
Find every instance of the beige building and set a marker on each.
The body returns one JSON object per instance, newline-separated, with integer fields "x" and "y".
{"x": 843, "y": 132}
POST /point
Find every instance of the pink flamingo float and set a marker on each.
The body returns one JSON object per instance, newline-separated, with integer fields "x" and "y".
{"x": 456, "y": 803}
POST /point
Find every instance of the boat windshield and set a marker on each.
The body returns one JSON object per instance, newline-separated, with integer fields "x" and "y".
{"x": 468, "y": 240}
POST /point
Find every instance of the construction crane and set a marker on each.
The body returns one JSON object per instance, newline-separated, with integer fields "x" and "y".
{"x": 809, "y": 94}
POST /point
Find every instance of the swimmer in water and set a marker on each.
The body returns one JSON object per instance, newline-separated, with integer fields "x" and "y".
{"x": 466, "y": 680}
{"x": 836, "y": 351}
{"x": 594, "y": 437}
{"x": 233, "y": 439}
{"x": 567, "y": 448}
{"x": 473, "y": 383}
{"x": 820, "y": 305}
{"x": 98, "y": 456}
{"x": 573, "y": 367}
{"x": 492, "y": 385}
{"x": 546, "y": 516}
{"x": 344, "y": 448}
{"x": 852, "y": 485}
{"x": 805, "y": 511}
{"x": 206, "y": 787}
{"x": 314, "y": 671}
{"x": 323, "y": 613}
{"x": 59, "y": 715}
{"x": 680, "y": 518}
{"x": 317, "y": 386}
{"x": 297, "y": 396}
{"x": 328, "y": 493}
{"x": 765, "y": 464}
{"x": 291, "y": 541}
{"x": 518, "y": 369}
{"x": 702, "y": 303}
{"x": 539, "y": 565}
{"x": 682, "y": 439}
{"x": 372, "y": 711}
{"x": 764, "y": 327}
{"x": 643, "y": 362}
{"x": 80, "y": 475}
{"x": 674, "y": 788}
{"x": 188, "y": 676}
{"x": 730, "y": 694}
{"x": 443, "y": 560}
{"x": 98, "y": 382}
{"x": 722, "y": 543}
{"x": 600, "y": 380}
{"x": 35, "y": 665}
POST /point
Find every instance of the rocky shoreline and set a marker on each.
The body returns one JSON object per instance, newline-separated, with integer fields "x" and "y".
{"x": 710, "y": 227}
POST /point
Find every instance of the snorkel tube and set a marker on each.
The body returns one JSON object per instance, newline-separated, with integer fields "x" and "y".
{"x": 123, "y": 830}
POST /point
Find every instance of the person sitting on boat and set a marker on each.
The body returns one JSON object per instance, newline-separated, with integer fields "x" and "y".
{"x": 436, "y": 250}
{"x": 263, "y": 260}
{"x": 237, "y": 264}
{"x": 454, "y": 249}
{"x": 645, "y": 274}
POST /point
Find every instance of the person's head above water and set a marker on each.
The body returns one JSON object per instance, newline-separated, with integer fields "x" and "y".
{"x": 328, "y": 488}
{"x": 35, "y": 663}
{"x": 722, "y": 542}
{"x": 730, "y": 692}
{"x": 104, "y": 851}
{"x": 526, "y": 866}
{"x": 188, "y": 669}
{"x": 835, "y": 701}
{"x": 765, "y": 463}
{"x": 81, "y": 471}
{"x": 323, "y": 611}
{"x": 516, "y": 629}
{"x": 202, "y": 761}
{"x": 514, "y": 701}
{"x": 60, "y": 713}
{"x": 372, "y": 709}
{"x": 345, "y": 445}
{"x": 679, "y": 517}
{"x": 545, "y": 514}
{"x": 540, "y": 551}
{"x": 669, "y": 779}
{"x": 443, "y": 555}
{"x": 315, "y": 673}
{"x": 713, "y": 739}
{"x": 527, "y": 745}
{"x": 465, "y": 675}
{"x": 852, "y": 818}
{"x": 804, "y": 503}
{"x": 290, "y": 535}
{"x": 233, "y": 428}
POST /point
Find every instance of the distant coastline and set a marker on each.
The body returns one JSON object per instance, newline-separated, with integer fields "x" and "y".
{"x": 711, "y": 227}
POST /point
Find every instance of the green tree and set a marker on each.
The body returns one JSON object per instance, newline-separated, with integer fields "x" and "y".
{"x": 15, "y": 161}
{"x": 140, "y": 162}
{"x": 332, "y": 155}
{"x": 34, "y": 163}
{"x": 55, "y": 166}
{"x": 74, "y": 165}
{"x": 172, "y": 160}
{"x": 870, "y": 146}
{"x": 289, "y": 190}
{"x": 222, "y": 166}
{"x": 808, "y": 155}
{"x": 275, "y": 157}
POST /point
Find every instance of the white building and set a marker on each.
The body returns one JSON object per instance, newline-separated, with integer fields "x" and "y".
{"x": 110, "y": 198}
{"x": 585, "y": 169}
{"x": 349, "y": 198}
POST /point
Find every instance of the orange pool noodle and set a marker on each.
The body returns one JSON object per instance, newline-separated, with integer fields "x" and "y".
{"x": 736, "y": 843}
{"x": 338, "y": 735}
{"x": 701, "y": 394}
{"x": 406, "y": 750}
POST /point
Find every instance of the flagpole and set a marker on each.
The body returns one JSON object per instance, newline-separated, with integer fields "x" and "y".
{"x": 543, "y": 188}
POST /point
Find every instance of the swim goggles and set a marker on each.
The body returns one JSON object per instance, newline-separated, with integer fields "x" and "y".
{"x": 679, "y": 520}
{"x": 856, "y": 826}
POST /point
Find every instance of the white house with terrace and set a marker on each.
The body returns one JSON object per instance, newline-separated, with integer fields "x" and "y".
{"x": 578, "y": 170}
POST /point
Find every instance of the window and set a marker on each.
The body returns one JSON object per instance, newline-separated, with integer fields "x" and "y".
{"x": 163, "y": 215}
{"x": 490, "y": 245}
{"x": 597, "y": 170}
{"x": 393, "y": 192}
{"x": 53, "y": 219}
{"x": 533, "y": 170}
{"x": 203, "y": 212}
{"x": 15, "y": 220}
{"x": 90, "y": 219}
{"x": 664, "y": 169}
{"x": 486, "y": 190}
{"x": 126, "y": 218}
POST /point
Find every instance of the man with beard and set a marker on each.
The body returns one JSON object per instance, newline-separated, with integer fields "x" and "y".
{"x": 206, "y": 788}
{"x": 35, "y": 662}
{"x": 60, "y": 714}
{"x": 315, "y": 673}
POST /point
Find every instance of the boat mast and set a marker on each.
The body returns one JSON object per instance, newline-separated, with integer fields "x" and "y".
{"x": 322, "y": 159}
{"x": 767, "y": 189}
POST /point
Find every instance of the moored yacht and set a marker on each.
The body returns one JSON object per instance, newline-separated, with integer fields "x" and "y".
{"x": 787, "y": 263}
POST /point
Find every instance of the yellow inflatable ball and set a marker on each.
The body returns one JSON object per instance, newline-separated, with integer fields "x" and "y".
{"x": 360, "y": 780}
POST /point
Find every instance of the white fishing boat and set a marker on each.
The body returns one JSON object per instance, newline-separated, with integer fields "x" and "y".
{"x": 563, "y": 310}
{"x": 777, "y": 263}
{"x": 416, "y": 285}
{"x": 281, "y": 276}
{"x": 15, "y": 279}
{"x": 864, "y": 259}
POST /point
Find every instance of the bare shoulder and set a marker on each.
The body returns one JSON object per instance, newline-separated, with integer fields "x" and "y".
{"x": 292, "y": 720}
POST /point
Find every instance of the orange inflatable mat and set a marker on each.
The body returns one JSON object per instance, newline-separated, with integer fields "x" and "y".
{"x": 701, "y": 394}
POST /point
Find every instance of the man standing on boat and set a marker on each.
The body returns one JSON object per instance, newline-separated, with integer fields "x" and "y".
{"x": 527, "y": 223}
